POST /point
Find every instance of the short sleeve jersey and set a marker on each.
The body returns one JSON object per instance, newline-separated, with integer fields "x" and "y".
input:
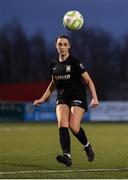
{"x": 67, "y": 77}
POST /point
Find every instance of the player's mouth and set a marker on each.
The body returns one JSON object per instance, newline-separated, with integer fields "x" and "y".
{"x": 62, "y": 52}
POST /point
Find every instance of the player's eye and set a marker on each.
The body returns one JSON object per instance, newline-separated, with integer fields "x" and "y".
{"x": 60, "y": 44}
{"x": 65, "y": 44}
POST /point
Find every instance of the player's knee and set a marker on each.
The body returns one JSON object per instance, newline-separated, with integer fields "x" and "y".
{"x": 62, "y": 123}
{"x": 74, "y": 129}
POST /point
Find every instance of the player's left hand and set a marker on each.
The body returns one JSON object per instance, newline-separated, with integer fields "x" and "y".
{"x": 94, "y": 103}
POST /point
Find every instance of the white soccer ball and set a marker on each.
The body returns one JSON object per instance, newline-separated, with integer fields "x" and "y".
{"x": 73, "y": 20}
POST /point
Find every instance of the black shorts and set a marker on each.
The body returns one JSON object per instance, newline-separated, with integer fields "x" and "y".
{"x": 73, "y": 101}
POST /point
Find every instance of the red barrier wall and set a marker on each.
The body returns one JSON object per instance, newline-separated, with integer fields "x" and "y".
{"x": 22, "y": 91}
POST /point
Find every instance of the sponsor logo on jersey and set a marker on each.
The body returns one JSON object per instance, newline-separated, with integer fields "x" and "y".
{"x": 68, "y": 68}
{"x": 62, "y": 77}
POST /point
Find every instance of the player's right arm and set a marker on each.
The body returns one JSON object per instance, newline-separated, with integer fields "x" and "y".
{"x": 46, "y": 95}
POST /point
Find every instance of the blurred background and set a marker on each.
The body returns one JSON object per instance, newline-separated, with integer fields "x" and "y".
{"x": 28, "y": 30}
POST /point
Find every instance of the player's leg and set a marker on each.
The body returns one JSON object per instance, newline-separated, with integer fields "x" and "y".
{"x": 62, "y": 112}
{"x": 76, "y": 116}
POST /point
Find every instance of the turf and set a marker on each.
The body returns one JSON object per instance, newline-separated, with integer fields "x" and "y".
{"x": 28, "y": 150}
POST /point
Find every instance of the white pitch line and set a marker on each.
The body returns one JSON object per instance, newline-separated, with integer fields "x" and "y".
{"x": 67, "y": 171}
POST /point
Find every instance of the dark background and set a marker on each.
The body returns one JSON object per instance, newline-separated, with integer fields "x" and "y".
{"x": 28, "y": 29}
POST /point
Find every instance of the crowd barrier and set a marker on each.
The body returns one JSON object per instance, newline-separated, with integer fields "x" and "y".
{"x": 11, "y": 111}
{"x": 106, "y": 111}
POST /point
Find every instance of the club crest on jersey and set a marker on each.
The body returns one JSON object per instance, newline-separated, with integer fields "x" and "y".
{"x": 68, "y": 68}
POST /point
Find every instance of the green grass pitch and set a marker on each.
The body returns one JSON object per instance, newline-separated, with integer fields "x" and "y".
{"x": 28, "y": 150}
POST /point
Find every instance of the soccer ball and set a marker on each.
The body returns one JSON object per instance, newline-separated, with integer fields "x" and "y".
{"x": 73, "y": 20}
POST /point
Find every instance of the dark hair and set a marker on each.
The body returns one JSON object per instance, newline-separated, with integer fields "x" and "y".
{"x": 64, "y": 36}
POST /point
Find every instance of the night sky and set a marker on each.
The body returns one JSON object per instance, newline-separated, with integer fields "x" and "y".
{"x": 47, "y": 15}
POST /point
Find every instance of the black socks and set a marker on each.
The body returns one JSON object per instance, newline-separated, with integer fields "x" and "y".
{"x": 64, "y": 140}
{"x": 81, "y": 136}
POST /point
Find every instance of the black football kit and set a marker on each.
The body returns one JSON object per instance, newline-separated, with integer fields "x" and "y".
{"x": 68, "y": 82}
{"x": 72, "y": 92}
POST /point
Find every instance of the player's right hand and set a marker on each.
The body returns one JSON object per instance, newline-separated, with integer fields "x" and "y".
{"x": 37, "y": 102}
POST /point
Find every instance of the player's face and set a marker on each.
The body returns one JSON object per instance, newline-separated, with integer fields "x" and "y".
{"x": 63, "y": 46}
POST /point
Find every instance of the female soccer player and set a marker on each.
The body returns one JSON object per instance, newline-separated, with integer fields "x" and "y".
{"x": 71, "y": 104}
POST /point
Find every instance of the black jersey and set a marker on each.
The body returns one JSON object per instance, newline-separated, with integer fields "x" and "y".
{"x": 67, "y": 77}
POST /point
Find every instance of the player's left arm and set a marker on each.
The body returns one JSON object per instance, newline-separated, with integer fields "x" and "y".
{"x": 89, "y": 82}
